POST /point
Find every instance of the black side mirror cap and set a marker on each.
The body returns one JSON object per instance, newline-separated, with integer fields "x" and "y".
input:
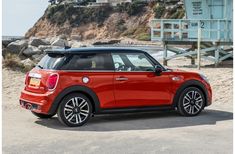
{"x": 158, "y": 70}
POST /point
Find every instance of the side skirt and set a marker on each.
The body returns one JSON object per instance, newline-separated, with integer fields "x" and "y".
{"x": 135, "y": 109}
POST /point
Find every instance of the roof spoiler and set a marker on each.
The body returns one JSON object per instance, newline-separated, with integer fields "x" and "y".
{"x": 62, "y": 50}
{"x": 55, "y": 51}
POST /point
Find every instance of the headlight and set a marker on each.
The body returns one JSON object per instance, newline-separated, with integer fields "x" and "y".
{"x": 204, "y": 78}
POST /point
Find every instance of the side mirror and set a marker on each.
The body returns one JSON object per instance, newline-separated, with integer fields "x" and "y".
{"x": 158, "y": 70}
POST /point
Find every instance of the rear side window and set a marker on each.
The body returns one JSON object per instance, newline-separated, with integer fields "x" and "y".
{"x": 88, "y": 61}
{"x": 51, "y": 61}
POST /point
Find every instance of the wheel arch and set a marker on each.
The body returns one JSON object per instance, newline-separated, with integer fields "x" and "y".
{"x": 76, "y": 89}
{"x": 190, "y": 83}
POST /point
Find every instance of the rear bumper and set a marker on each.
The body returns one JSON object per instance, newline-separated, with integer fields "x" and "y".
{"x": 39, "y": 103}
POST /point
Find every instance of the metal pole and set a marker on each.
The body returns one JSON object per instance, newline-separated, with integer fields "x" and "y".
{"x": 199, "y": 45}
{"x": 165, "y": 54}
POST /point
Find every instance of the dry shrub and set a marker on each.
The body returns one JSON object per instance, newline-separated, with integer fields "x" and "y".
{"x": 13, "y": 62}
{"x": 144, "y": 37}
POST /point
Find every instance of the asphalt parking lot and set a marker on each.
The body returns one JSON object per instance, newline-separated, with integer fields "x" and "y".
{"x": 156, "y": 132}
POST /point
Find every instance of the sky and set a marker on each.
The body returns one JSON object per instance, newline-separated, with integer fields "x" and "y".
{"x": 20, "y": 15}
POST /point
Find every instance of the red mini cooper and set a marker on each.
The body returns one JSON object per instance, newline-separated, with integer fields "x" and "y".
{"x": 77, "y": 83}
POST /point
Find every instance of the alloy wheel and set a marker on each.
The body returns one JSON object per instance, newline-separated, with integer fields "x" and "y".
{"x": 192, "y": 102}
{"x": 76, "y": 110}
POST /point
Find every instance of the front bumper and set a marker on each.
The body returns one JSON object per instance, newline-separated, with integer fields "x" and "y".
{"x": 209, "y": 93}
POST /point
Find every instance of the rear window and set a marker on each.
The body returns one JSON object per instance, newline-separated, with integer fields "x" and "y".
{"x": 51, "y": 61}
{"x": 88, "y": 61}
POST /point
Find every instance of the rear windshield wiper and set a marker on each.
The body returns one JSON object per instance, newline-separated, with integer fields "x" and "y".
{"x": 39, "y": 66}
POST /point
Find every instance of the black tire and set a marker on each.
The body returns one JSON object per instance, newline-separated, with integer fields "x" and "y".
{"x": 74, "y": 110}
{"x": 42, "y": 116}
{"x": 191, "y": 102}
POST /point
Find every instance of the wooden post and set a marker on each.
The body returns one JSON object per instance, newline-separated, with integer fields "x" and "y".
{"x": 165, "y": 53}
{"x": 217, "y": 55}
{"x": 199, "y": 45}
{"x": 193, "y": 58}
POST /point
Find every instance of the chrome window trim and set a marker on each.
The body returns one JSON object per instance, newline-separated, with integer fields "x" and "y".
{"x": 136, "y": 71}
{"x": 101, "y": 71}
{"x": 86, "y": 70}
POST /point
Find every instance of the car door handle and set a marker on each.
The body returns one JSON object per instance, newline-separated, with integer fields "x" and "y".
{"x": 121, "y": 79}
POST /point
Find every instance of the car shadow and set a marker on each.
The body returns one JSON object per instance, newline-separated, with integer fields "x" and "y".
{"x": 141, "y": 121}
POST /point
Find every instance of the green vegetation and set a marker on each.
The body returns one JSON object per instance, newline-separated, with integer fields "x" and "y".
{"x": 159, "y": 10}
{"x": 76, "y": 16}
{"x": 86, "y": 2}
{"x": 144, "y": 37}
{"x": 59, "y": 14}
{"x": 120, "y": 25}
{"x": 178, "y": 14}
{"x": 129, "y": 32}
{"x": 133, "y": 8}
{"x": 143, "y": 33}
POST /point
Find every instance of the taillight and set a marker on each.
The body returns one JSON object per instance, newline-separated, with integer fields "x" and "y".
{"x": 26, "y": 79}
{"x": 52, "y": 81}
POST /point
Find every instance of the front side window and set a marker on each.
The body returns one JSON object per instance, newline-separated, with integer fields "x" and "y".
{"x": 88, "y": 61}
{"x": 132, "y": 62}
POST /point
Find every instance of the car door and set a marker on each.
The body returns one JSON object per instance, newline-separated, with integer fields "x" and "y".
{"x": 98, "y": 68}
{"x": 135, "y": 82}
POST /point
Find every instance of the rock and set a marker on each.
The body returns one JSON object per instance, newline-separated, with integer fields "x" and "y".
{"x": 107, "y": 42}
{"x": 4, "y": 52}
{"x": 114, "y": 41}
{"x": 17, "y": 46}
{"x": 44, "y": 47}
{"x": 89, "y": 36}
{"x": 38, "y": 57}
{"x": 51, "y": 39}
{"x": 27, "y": 62}
{"x": 6, "y": 42}
{"x": 36, "y": 42}
{"x": 75, "y": 44}
{"x": 31, "y": 50}
{"x": 63, "y": 36}
{"x": 56, "y": 47}
{"x": 60, "y": 42}
{"x": 76, "y": 37}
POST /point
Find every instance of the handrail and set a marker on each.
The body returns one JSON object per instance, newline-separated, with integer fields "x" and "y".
{"x": 186, "y": 29}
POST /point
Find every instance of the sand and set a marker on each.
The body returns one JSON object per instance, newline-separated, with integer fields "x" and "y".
{"x": 165, "y": 132}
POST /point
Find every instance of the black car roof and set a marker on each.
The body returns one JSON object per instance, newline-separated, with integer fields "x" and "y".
{"x": 93, "y": 49}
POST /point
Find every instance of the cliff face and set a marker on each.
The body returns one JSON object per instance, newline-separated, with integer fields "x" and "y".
{"x": 110, "y": 28}
{"x": 86, "y": 23}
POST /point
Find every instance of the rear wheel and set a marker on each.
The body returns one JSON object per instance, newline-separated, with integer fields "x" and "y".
{"x": 191, "y": 102}
{"x": 42, "y": 116}
{"x": 74, "y": 110}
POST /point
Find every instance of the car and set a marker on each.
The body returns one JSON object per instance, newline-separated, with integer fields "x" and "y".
{"x": 78, "y": 83}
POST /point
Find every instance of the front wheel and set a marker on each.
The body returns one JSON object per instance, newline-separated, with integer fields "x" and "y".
{"x": 191, "y": 102}
{"x": 74, "y": 110}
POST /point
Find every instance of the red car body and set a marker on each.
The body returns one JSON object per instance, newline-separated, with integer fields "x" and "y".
{"x": 159, "y": 90}
{"x": 107, "y": 91}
